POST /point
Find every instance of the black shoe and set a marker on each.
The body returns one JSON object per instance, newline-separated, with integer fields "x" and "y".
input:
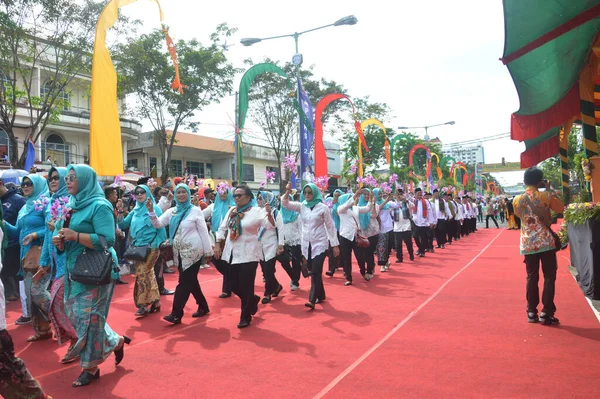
{"x": 120, "y": 353}
{"x": 168, "y": 271}
{"x": 85, "y": 378}
{"x": 225, "y": 295}
{"x": 165, "y": 291}
{"x": 421, "y": 255}
{"x": 432, "y": 250}
{"x": 443, "y": 247}
{"x": 310, "y": 305}
{"x": 438, "y": 246}
{"x": 155, "y": 307}
{"x": 277, "y": 291}
{"x": 255, "y": 307}
{"x": 266, "y": 300}
{"x": 172, "y": 319}
{"x": 449, "y": 242}
{"x": 201, "y": 312}
{"x": 121, "y": 282}
{"x": 412, "y": 257}
{"x": 347, "y": 283}
{"x": 23, "y": 320}
{"x": 329, "y": 273}
{"x": 398, "y": 260}
{"x": 532, "y": 317}
{"x": 244, "y": 323}
{"x": 548, "y": 320}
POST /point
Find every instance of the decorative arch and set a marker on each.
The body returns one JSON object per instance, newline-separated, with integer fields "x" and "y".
{"x": 393, "y": 145}
{"x": 438, "y": 168}
{"x": 448, "y": 158}
{"x": 386, "y": 144}
{"x": 410, "y": 161}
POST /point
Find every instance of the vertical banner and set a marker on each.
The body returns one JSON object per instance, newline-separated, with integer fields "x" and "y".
{"x": 306, "y": 135}
{"x": 30, "y": 156}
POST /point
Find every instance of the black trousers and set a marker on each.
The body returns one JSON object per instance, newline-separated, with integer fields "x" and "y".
{"x": 440, "y": 231}
{"x": 334, "y": 262}
{"x": 158, "y": 272}
{"x": 315, "y": 265}
{"x": 225, "y": 269}
{"x": 271, "y": 282}
{"x": 406, "y": 237}
{"x": 242, "y": 285}
{"x": 188, "y": 284}
{"x": 451, "y": 227}
{"x": 291, "y": 261}
{"x": 549, "y": 267}
{"x": 366, "y": 262}
{"x": 502, "y": 213}
{"x": 487, "y": 221}
{"x": 346, "y": 249}
{"x": 431, "y": 238}
{"x": 10, "y": 269}
{"x": 422, "y": 238}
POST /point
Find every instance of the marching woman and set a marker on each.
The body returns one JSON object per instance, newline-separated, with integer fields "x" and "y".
{"x": 53, "y": 264}
{"x": 349, "y": 228}
{"x": 238, "y": 233}
{"x": 31, "y": 229}
{"x": 215, "y": 213}
{"x": 143, "y": 234}
{"x": 335, "y": 262}
{"x": 385, "y": 242}
{"x": 292, "y": 236}
{"x": 370, "y": 227}
{"x": 318, "y": 232}
{"x": 272, "y": 246}
{"x": 91, "y": 225}
{"x": 189, "y": 237}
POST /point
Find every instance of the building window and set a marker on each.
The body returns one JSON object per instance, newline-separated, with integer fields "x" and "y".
{"x": 208, "y": 172}
{"x": 133, "y": 163}
{"x": 6, "y": 80}
{"x": 153, "y": 164}
{"x": 248, "y": 175}
{"x": 176, "y": 167}
{"x": 62, "y": 95}
{"x": 5, "y": 149}
{"x": 55, "y": 150}
{"x": 195, "y": 168}
{"x": 277, "y": 172}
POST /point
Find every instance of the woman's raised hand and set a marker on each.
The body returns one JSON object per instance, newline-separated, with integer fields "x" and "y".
{"x": 150, "y": 205}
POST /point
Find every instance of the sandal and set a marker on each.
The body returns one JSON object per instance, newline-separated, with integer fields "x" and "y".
{"x": 142, "y": 312}
{"x": 155, "y": 307}
{"x": 40, "y": 336}
{"x": 120, "y": 353}
{"x": 85, "y": 378}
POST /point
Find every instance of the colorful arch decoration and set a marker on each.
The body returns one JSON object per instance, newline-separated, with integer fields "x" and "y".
{"x": 465, "y": 175}
{"x": 393, "y": 145}
{"x": 320, "y": 154}
{"x": 438, "y": 168}
{"x": 448, "y": 158}
{"x": 410, "y": 161}
{"x": 245, "y": 85}
{"x": 386, "y": 145}
{"x": 489, "y": 186}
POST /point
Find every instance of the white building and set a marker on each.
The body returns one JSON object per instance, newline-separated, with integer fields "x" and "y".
{"x": 470, "y": 155}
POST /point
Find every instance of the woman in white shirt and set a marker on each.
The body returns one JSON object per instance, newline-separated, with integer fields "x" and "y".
{"x": 272, "y": 245}
{"x": 318, "y": 232}
{"x": 349, "y": 214}
{"x": 242, "y": 250}
{"x": 403, "y": 227}
{"x": 370, "y": 228}
{"x": 385, "y": 241}
{"x": 189, "y": 237}
{"x": 291, "y": 260}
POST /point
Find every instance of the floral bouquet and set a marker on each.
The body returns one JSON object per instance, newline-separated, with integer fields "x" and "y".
{"x": 41, "y": 203}
{"x": 322, "y": 182}
{"x": 59, "y": 209}
{"x": 222, "y": 188}
{"x": 586, "y": 165}
{"x": 270, "y": 176}
{"x": 291, "y": 164}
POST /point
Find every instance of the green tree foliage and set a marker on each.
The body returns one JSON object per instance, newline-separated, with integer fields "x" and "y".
{"x": 146, "y": 71}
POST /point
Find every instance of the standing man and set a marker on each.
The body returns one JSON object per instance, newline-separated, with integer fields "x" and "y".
{"x": 424, "y": 219}
{"x": 441, "y": 209}
{"x": 402, "y": 216}
{"x": 538, "y": 244}
{"x": 451, "y": 224}
{"x": 11, "y": 205}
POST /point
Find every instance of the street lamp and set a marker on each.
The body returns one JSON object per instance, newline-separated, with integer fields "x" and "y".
{"x": 297, "y": 58}
{"x": 426, "y": 138}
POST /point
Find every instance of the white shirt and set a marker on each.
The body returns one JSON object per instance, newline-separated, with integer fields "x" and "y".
{"x": 292, "y": 232}
{"x": 318, "y": 229}
{"x": 418, "y": 216}
{"x": 246, "y": 247}
{"x": 271, "y": 239}
{"x": 2, "y": 300}
{"x": 191, "y": 240}
{"x": 386, "y": 223}
{"x": 443, "y": 215}
{"x": 348, "y": 214}
{"x": 455, "y": 206}
{"x": 164, "y": 203}
{"x": 403, "y": 224}
{"x": 460, "y": 212}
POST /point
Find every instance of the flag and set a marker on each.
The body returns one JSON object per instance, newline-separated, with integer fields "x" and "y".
{"x": 306, "y": 137}
{"x": 30, "y": 157}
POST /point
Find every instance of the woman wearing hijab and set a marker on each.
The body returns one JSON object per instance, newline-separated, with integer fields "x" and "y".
{"x": 54, "y": 264}
{"x": 335, "y": 262}
{"x": 271, "y": 241}
{"x": 292, "y": 237}
{"x": 91, "y": 217}
{"x": 349, "y": 227}
{"x": 370, "y": 228}
{"x": 318, "y": 232}
{"x": 146, "y": 294}
{"x": 239, "y": 230}
{"x": 189, "y": 237}
{"x": 215, "y": 213}
{"x": 386, "y": 226}
{"x": 31, "y": 229}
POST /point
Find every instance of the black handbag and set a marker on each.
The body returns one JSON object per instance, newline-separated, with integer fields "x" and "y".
{"x": 93, "y": 267}
{"x": 138, "y": 253}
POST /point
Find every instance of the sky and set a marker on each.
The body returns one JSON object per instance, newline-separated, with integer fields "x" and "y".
{"x": 431, "y": 61}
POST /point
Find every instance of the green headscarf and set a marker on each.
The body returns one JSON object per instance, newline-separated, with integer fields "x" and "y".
{"x": 88, "y": 189}
{"x": 181, "y": 210}
{"x": 364, "y": 218}
{"x": 380, "y": 200}
{"x": 62, "y": 188}
{"x": 40, "y": 189}
{"x": 220, "y": 209}
{"x": 334, "y": 210}
{"x": 317, "y": 197}
{"x": 140, "y": 206}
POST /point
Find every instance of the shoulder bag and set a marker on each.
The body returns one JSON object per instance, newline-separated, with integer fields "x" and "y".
{"x": 93, "y": 267}
{"x": 361, "y": 240}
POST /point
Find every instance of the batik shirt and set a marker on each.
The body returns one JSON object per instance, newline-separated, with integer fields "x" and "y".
{"x": 533, "y": 207}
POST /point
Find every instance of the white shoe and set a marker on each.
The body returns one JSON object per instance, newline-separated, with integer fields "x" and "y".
{"x": 295, "y": 288}
{"x": 383, "y": 269}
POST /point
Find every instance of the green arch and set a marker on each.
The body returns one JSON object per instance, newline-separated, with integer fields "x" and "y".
{"x": 393, "y": 144}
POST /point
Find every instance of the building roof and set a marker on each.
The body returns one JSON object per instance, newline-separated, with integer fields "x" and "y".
{"x": 192, "y": 140}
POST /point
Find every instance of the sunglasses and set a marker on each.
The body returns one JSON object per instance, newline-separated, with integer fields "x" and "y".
{"x": 140, "y": 192}
{"x": 238, "y": 196}
{"x": 70, "y": 178}
{"x": 54, "y": 178}
{"x": 27, "y": 184}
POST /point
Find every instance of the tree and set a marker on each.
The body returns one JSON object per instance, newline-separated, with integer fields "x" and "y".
{"x": 146, "y": 71}
{"x": 271, "y": 106}
{"x": 54, "y": 39}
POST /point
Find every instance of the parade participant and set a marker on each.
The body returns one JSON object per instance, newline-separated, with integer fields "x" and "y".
{"x": 510, "y": 214}
{"x": 431, "y": 232}
{"x": 443, "y": 214}
{"x": 402, "y": 216}
{"x": 452, "y": 223}
{"x": 335, "y": 262}
{"x": 318, "y": 232}
{"x": 292, "y": 236}
{"x": 424, "y": 219}
{"x": 385, "y": 241}
{"x": 492, "y": 209}
{"x": 239, "y": 232}
{"x": 370, "y": 227}
{"x": 271, "y": 241}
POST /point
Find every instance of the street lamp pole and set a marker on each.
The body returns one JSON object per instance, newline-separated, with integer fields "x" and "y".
{"x": 297, "y": 58}
{"x": 426, "y": 138}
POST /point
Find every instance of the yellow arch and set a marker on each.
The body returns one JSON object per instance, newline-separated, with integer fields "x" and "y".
{"x": 363, "y": 125}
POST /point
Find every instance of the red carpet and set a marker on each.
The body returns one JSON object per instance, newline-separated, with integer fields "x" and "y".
{"x": 449, "y": 325}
